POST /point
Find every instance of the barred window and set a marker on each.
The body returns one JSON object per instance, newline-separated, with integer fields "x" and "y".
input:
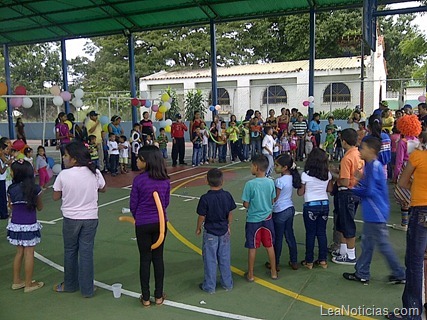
{"x": 340, "y": 93}
{"x": 274, "y": 95}
{"x": 222, "y": 96}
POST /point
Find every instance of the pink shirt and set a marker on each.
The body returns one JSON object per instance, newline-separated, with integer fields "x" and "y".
{"x": 402, "y": 154}
{"x": 79, "y": 187}
{"x": 394, "y": 138}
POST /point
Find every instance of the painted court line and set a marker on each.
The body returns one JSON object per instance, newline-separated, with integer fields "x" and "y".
{"x": 166, "y": 302}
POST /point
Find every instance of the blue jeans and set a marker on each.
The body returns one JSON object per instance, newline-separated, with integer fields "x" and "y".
{"x": 416, "y": 242}
{"x": 197, "y": 156}
{"x": 216, "y": 251}
{"x": 222, "y": 152}
{"x": 315, "y": 219}
{"x": 270, "y": 164}
{"x": 212, "y": 149}
{"x": 377, "y": 234}
{"x": 245, "y": 151}
{"x": 283, "y": 225}
{"x": 256, "y": 146}
{"x": 79, "y": 238}
{"x": 204, "y": 153}
{"x": 164, "y": 153}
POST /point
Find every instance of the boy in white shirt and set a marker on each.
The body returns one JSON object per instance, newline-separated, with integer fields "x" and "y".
{"x": 113, "y": 153}
{"x": 123, "y": 154}
{"x": 205, "y": 135}
{"x": 268, "y": 144}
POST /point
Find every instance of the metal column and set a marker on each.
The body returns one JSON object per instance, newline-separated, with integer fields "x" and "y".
{"x": 64, "y": 73}
{"x": 214, "y": 94}
{"x": 311, "y": 61}
{"x": 131, "y": 47}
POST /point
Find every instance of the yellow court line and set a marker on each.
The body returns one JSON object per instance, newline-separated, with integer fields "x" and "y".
{"x": 269, "y": 285}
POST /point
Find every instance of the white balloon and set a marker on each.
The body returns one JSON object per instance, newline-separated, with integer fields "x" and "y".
{"x": 167, "y": 105}
{"x": 168, "y": 122}
{"x": 27, "y": 103}
{"x": 78, "y": 93}
{"x": 78, "y": 103}
{"x": 56, "y": 168}
{"x": 58, "y": 101}
{"x": 162, "y": 124}
{"x": 144, "y": 95}
{"x": 310, "y": 99}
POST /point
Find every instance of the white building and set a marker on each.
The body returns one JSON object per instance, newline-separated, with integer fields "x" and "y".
{"x": 277, "y": 85}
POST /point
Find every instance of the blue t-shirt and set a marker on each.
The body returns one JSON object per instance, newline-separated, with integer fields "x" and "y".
{"x": 259, "y": 192}
{"x": 284, "y": 183}
{"x": 314, "y": 126}
{"x": 385, "y": 153}
{"x": 216, "y": 205}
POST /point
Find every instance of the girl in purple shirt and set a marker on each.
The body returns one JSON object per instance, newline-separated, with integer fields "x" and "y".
{"x": 154, "y": 177}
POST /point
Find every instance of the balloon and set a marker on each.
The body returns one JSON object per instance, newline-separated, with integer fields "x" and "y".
{"x": 27, "y": 103}
{"x": 18, "y": 144}
{"x": 103, "y": 120}
{"x": 310, "y": 99}
{"x": 147, "y": 103}
{"x": 163, "y": 109}
{"x": 422, "y": 98}
{"x": 143, "y": 95}
{"x": 168, "y": 129}
{"x": 56, "y": 168}
{"x": 306, "y": 103}
{"x": 50, "y": 162}
{"x": 20, "y": 90}
{"x": 159, "y": 115}
{"x": 65, "y": 95}
{"x": 127, "y": 219}
{"x": 142, "y": 102}
{"x": 170, "y": 100}
{"x": 3, "y": 105}
{"x": 167, "y": 105}
{"x": 105, "y": 127}
{"x": 3, "y": 88}
{"x": 154, "y": 129}
{"x": 165, "y": 97}
{"x": 58, "y": 101}
{"x": 55, "y": 90}
{"x": 135, "y": 102}
{"x": 168, "y": 122}
{"x": 16, "y": 102}
{"x": 155, "y": 108}
{"x": 217, "y": 107}
{"x": 78, "y": 93}
{"x": 211, "y": 108}
{"x": 162, "y": 124}
{"x": 78, "y": 103}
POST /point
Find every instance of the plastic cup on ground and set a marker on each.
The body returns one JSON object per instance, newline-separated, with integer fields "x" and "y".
{"x": 117, "y": 290}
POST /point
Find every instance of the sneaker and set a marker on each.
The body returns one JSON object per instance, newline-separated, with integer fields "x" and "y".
{"x": 183, "y": 163}
{"x": 207, "y": 162}
{"x": 193, "y": 165}
{"x": 333, "y": 247}
{"x": 354, "y": 277}
{"x": 394, "y": 280}
{"x": 400, "y": 227}
{"x": 335, "y": 253}
{"x": 344, "y": 260}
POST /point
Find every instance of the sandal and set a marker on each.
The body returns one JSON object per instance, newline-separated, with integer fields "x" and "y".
{"x": 248, "y": 279}
{"x": 308, "y": 265}
{"x": 159, "y": 301}
{"x": 145, "y": 303}
{"x": 34, "y": 286}
{"x": 321, "y": 263}
{"x": 268, "y": 266}
{"x": 59, "y": 287}
{"x": 16, "y": 286}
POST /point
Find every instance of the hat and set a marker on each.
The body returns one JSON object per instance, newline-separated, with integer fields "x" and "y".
{"x": 93, "y": 114}
{"x": 178, "y": 116}
{"x": 407, "y": 106}
{"x": 384, "y": 103}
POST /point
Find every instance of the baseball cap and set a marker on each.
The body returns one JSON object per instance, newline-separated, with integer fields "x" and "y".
{"x": 407, "y": 106}
{"x": 93, "y": 114}
{"x": 384, "y": 103}
{"x": 178, "y": 116}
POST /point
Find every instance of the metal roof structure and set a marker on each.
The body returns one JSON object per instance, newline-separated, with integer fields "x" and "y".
{"x": 32, "y": 21}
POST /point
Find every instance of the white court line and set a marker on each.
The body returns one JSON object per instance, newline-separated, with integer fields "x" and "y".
{"x": 166, "y": 302}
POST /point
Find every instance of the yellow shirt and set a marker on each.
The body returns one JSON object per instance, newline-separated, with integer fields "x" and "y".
{"x": 97, "y": 132}
{"x": 418, "y": 160}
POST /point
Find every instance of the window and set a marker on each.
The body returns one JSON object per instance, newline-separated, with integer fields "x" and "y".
{"x": 340, "y": 93}
{"x": 222, "y": 96}
{"x": 274, "y": 95}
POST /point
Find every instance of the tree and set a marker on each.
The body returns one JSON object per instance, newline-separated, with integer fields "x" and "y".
{"x": 194, "y": 101}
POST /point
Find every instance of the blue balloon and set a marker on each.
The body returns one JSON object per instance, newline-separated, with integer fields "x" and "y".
{"x": 50, "y": 162}
{"x": 212, "y": 108}
{"x": 104, "y": 120}
{"x": 147, "y": 103}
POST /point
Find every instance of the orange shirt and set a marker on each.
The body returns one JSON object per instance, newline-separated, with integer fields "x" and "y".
{"x": 349, "y": 164}
{"x": 418, "y": 160}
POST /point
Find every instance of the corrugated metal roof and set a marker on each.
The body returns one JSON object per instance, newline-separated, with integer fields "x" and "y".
{"x": 266, "y": 68}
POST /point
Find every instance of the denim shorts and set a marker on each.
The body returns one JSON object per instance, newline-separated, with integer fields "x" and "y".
{"x": 347, "y": 204}
{"x": 259, "y": 232}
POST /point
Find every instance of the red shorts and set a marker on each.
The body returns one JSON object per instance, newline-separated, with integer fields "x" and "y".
{"x": 260, "y": 232}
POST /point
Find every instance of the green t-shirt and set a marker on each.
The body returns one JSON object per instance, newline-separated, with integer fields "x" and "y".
{"x": 329, "y": 141}
{"x": 162, "y": 141}
{"x": 259, "y": 192}
{"x": 233, "y": 133}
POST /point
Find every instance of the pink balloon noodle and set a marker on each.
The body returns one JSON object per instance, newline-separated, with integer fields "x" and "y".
{"x": 306, "y": 103}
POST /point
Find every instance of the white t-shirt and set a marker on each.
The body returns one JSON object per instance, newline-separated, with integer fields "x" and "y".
{"x": 284, "y": 183}
{"x": 315, "y": 189}
{"x": 205, "y": 137}
{"x": 124, "y": 153}
{"x": 268, "y": 142}
{"x": 79, "y": 187}
{"x": 112, "y": 145}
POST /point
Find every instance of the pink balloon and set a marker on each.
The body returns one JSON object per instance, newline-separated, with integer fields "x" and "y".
{"x": 155, "y": 108}
{"x": 20, "y": 90}
{"x": 142, "y": 102}
{"x": 422, "y": 98}
{"x": 16, "y": 102}
{"x": 306, "y": 103}
{"x": 65, "y": 95}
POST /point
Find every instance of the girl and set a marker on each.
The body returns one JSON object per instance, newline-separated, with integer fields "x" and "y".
{"x": 41, "y": 167}
{"x": 195, "y": 122}
{"x": 80, "y": 211}
{"x": 316, "y": 182}
{"x": 23, "y": 230}
{"x": 283, "y": 208}
{"x": 314, "y": 127}
{"x": 284, "y": 143}
{"x": 293, "y": 144}
{"x": 62, "y": 133}
{"x": 154, "y": 177}
{"x": 28, "y": 155}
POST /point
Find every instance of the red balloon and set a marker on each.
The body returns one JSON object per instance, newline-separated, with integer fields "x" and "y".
{"x": 20, "y": 90}
{"x": 135, "y": 102}
{"x": 18, "y": 144}
{"x": 142, "y": 102}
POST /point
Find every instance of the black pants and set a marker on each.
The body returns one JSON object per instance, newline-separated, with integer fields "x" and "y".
{"x": 146, "y": 235}
{"x": 133, "y": 161}
{"x": 114, "y": 163}
{"x": 3, "y": 200}
{"x": 301, "y": 148}
{"x": 178, "y": 149}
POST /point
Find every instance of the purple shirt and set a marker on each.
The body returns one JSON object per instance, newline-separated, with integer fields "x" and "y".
{"x": 20, "y": 212}
{"x": 63, "y": 130}
{"x": 142, "y": 204}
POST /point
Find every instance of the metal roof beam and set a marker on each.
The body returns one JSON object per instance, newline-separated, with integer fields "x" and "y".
{"x": 383, "y": 13}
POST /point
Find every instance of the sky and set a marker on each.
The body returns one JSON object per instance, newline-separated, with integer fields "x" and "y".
{"x": 75, "y": 47}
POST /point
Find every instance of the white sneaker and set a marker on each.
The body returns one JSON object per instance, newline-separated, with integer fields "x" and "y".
{"x": 400, "y": 227}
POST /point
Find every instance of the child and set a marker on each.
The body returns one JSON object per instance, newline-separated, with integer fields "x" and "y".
{"x": 233, "y": 138}
{"x": 213, "y": 136}
{"x": 276, "y": 150}
{"x": 154, "y": 177}
{"x": 135, "y": 141}
{"x": 339, "y": 151}
{"x": 23, "y": 230}
{"x": 197, "y": 140}
{"x": 28, "y": 155}
{"x": 387, "y": 120}
{"x": 162, "y": 140}
{"x": 284, "y": 143}
{"x": 316, "y": 182}
{"x": 222, "y": 145}
{"x": 93, "y": 150}
{"x": 149, "y": 140}
{"x": 329, "y": 143}
{"x": 123, "y": 154}
{"x": 215, "y": 214}
{"x": 373, "y": 191}
{"x": 113, "y": 153}
{"x": 41, "y": 167}
{"x": 267, "y": 149}
{"x": 293, "y": 144}
{"x": 246, "y": 141}
{"x": 4, "y": 165}
{"x": 205, "y": 136}
{"x": 394, "y": 140}
{"x": 361, "y": 132}
{"x": 331, "y": 125}
{"x": 310, "y": 142}
{"x": 256, "y": 136}
{"x": 258, "y": 196}
{"x": 80, "y": 211}
{"x": 283, "y": 209}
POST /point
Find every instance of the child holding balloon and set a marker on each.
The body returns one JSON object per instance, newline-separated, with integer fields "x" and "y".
{"x": 149, "y": 220}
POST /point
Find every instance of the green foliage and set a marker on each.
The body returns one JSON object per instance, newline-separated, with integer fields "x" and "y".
{"x": 338, "y": 114}
{"x": 194, "y": 101}
{"x": 174, "y": 109}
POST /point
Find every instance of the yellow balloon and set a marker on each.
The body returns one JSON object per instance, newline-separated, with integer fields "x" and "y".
{"x": 168, "y": 129}
{"x": 165, "y": 97}
{"x": 3, "y": 105}
{"x": 105, "y": 127}
{"x": 163, "y": 109}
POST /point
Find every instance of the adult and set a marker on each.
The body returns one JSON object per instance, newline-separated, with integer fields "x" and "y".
{"x": 74, "y": 128}
{"x": 271, "y": 120}
{"x": 283, "y": 120}
{"x": 294, "y": 115}
{"x": 195, "y": 122}
{"x": 407, "y": 109}
{"x": 178, "y": 143}
{"x": 146, "y": 126}
{"x": 413, "y": 177}
{"x": 78, "y": 187}
{"x": 314, "y": 127}
{"x": 63, "y": 135}
{"x": 94, "y": 127}
{"x": 382, "y": 105}
{"x": 115, "y": 127}
{"x": 19, "y": 130}
{"x": 300, "y": 127}
{"x": 422, "y": 115}
{"x": 356, "y": 117}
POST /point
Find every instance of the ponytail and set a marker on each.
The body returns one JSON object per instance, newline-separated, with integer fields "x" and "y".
{"x": 375, "y": 126}
{"x": 285, "y": 160}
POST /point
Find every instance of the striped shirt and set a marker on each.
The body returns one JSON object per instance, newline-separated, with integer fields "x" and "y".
{"x": 300, "y": 127}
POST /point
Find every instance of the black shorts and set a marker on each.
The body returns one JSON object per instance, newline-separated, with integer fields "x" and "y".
{"x": 346, "y": 206}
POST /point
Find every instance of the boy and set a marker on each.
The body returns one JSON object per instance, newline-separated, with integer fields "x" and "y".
{"x": 197, "y": 140}
{"x": 345, "y": 202}
{"x": 329, "y": 143}
{"x": 162, "y": 140}
{"x": 258, "y": 195}
{"x": 222, "y": 145}
{"x": 178, "y": 129}
{"x": 373, "y": 191}
{"x": 215, "y": 211}
{"x": 268, "y": 148}
{"x": 331, "y": 125}
{"x": 113, "y": 153}
{"x": 339, "y": 152}
{"x": 233, "y": 137}
{"x": 361, "y": 133}
{"x": 245, "y": 141}
{"x": 123, "y": 154}
{"x": 205, "y": 142}
{"x": 93, "y": 150}
{"x": 135, "y": 141}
